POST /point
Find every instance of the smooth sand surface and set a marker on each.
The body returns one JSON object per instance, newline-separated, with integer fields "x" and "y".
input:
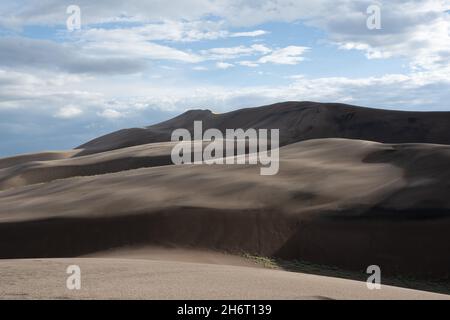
{"x": 143, "y": 279}
{"x": 175, "y": 254}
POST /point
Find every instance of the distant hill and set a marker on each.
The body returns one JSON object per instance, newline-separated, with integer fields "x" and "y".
{"x": 297, "y": 121}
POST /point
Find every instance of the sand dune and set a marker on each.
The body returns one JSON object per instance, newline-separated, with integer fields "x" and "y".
{"x": 27, "y": 158}
{"x": 31, "y": 170}
{"x": 141, "y": 279}
{"x": 115, "y": 205}
{"x": 339, "y": 202}
{"x": 297, "y": 121}
{"x": 175, "y": 254}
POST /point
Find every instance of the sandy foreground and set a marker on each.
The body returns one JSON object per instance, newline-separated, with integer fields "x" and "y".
{"x": 115, "y": 278}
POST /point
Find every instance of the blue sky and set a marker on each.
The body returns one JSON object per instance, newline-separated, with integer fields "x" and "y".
{"x": 139, "y": 62}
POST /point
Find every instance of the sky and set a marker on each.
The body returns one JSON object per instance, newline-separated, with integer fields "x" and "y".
{"x": 138, "y": 62}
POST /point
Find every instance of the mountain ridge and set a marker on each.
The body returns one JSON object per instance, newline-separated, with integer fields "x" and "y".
{"x": 297, "y": 121}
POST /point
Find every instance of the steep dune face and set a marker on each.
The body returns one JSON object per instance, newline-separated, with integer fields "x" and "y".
{"x": 340, "y": 202}
{"x": 297, "y": 121}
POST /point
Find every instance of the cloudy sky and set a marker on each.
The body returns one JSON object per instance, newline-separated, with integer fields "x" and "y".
{"x": 137, "y": 62}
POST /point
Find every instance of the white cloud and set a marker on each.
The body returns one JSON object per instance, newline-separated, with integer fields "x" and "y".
{"x": 128, "y": 98}
{"x": 132, "y": 49}
{"x": 68, "y": 112}
{"x": 235, "y": 52}
{"x": 111, "y": 114}
{"x": 251, "y": 64}
{"x": 417, "y": 30}
{"x": 288, "y": 55}
{"x": 53, "y": 12}
{"x": 169, "y": 30}
{"x": 200, "y": 68}
{"x": 48, "y": 95}
{"x": 224, "y": 65}
{"x": 25, "y": 53}
{"x": 255, "y": 33}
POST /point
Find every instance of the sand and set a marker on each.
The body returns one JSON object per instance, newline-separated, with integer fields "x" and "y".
{"x": 144, "y": 228}
{"x": 145, "y": 279}
{"x": 25, "y": 170}
{"x": 339, "y": 202}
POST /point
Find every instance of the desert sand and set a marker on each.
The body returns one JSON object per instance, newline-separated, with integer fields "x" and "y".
{"x": 347, "y": 203}
{"x": 146, "y": 279}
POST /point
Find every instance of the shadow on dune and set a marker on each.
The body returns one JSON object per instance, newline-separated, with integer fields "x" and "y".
{"x": 398, "y": 247}
{"x": 255, "y": 231}
{"x": 417, "y": 248}
{"x": 402, "y": 233}
{"x": 425, "y": 170}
